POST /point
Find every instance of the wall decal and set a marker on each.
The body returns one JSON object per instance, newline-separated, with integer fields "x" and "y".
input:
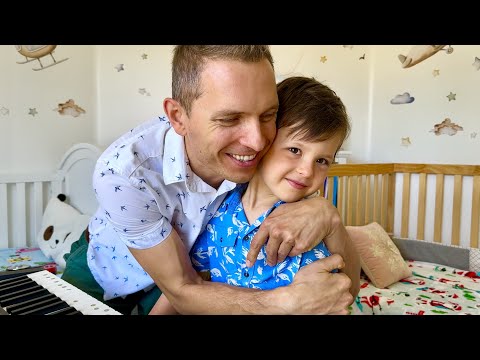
{"x": 418, "y": 53}
{"x": 323, "y": 59}
{"x": 36, "y": 52}
{"x": 4, "y": 111}
{"x": 446, "y": 127}
{"x": 473, "y": 135}
{"x": 144, "y": 56}
{"x": 348, "y": 47}
{"x": 362, "y": 57}
{"x": 451, "y": 96}
{"x": 436, "y": 72}
{"x": 476, "y": 63}
{"x": 69, "y": 108}
{"x": 143, "y": 91}
{"x": 405, "y": 98}
{"x": 32, "y": 111}
{"x": 406, "y": 141}
{"x": 119, "y": 67}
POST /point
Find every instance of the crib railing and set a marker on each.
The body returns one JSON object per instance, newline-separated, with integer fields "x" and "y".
{"x": 22, "y": 201}
{"x": 439, "y": 203}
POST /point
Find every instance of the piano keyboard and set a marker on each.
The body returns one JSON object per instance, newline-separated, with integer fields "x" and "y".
{"x": 43, "y": 293}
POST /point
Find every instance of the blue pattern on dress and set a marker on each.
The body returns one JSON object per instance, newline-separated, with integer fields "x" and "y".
{"x": 223, "y": 246}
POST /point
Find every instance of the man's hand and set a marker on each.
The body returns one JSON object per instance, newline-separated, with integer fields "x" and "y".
{"x": 315, "y": 290}
{"x": 293, "y": 229}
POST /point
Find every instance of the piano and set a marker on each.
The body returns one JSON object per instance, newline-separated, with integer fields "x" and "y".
{"x": 43, "y": 293}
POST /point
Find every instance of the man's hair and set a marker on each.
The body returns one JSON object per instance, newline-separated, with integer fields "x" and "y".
{"x": 312, "y": 109}
{"x": 189, "y": 60}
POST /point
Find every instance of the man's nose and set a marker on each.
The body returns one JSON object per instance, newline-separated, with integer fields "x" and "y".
{"x": 255, "y": 135}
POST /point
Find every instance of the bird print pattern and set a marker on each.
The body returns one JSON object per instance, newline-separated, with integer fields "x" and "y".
{"x": 223, "y": 246}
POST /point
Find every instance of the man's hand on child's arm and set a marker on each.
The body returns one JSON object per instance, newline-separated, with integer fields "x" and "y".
{"x": 294, "y": 228}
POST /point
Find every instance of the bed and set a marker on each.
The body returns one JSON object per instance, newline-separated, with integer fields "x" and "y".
{"x": 431, "y": 214}
{"x": 23, "y": 199}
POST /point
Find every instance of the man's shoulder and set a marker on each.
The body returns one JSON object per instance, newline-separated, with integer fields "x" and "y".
{"x": 145, "y": 141}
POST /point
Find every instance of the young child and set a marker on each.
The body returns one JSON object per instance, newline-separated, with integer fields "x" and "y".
{"x": 312, "y": 124}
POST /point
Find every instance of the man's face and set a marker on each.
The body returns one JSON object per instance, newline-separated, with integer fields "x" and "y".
{"x": 232, "y": 124}
{"x": 294, "y": 168}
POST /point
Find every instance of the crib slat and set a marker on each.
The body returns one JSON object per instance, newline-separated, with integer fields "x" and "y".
{"x": 37, "y": 208}
{"x": 391, "y": 202}
{"x": 375, "y": 197}
{"x": 405, "y": 205}
{"x": 422, "y": 203}
{"x": 330, "y": 189}
{"x": 383, "y": 201}
{"x": 475, "y": 212}
{"x": 367, "y": 200}
{"x": 457, "y": 209}
{"x": 437, "y": 226}
{"x": 340, "y": 195}
{"x": 3, "y": 216}
{"x": 350, "y": 201}
{"x": 358, "y": 210}
{"x": 20, "y": 217}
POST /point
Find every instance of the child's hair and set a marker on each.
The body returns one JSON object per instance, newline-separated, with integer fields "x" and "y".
{"x": 312, "y": 109}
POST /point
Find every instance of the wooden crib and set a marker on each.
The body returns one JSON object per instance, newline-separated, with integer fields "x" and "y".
{"x": 433, "y": 202}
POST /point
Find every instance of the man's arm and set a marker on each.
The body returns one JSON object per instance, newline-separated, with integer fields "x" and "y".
{"x": 315, "y": 219}
{"x": 314, "y": 290}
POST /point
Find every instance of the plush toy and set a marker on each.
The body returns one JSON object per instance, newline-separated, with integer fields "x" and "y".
{"x": 62, "y": 225}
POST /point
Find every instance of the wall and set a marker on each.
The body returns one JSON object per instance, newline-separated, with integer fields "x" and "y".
{"x": 366, "y": 77}
{"x": 35, "y": 142}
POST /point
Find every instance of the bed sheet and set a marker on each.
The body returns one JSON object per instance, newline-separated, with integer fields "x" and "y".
{"x": 432, "y": 289}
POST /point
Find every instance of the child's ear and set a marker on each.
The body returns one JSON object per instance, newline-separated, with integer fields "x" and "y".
{"x": 176, "y": 114}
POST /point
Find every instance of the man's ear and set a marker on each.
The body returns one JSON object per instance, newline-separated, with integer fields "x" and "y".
{"x": 176, "y": 114}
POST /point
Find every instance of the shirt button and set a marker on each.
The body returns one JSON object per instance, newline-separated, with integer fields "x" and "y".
{"x": 245, "y": 237}
{"x": 246, "y": 274}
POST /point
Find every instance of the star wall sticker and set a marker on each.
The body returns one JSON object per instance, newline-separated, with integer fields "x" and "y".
{"x": 323, "y": 59}
{"x": 144, "y": 56}
{"x": 473, "y": 135}
{"x": 4, "y": 111}
{"x": 32, "y": 111}
{"x": 362, "y": 57}
{"x": 476, "y": 63}
{"x": 436, "y": 72}
{"x": 119, "y": 67}
{"x": 406, "y": 141}
{"x": 451, "y": 96}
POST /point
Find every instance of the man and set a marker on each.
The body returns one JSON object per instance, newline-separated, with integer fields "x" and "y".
{"x": 159, "y": 184}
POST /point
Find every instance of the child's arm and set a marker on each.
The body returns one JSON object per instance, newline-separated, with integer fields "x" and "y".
{"x": 341, "y": 244}
{"x": 163, "y": 306}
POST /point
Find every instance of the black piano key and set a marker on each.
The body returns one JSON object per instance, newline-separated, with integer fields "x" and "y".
{"x": 32, "y": 299}
{"x": 65, "y": 311}
{"x": 11, "y": 298}
{"x": 41, "y": 309}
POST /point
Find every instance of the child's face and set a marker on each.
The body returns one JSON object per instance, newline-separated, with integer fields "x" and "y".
{"x": 294, "y": 168}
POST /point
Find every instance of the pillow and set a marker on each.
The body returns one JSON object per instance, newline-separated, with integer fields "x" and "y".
{"x": 379, "y": 257}
{"x": 62, "y": 225}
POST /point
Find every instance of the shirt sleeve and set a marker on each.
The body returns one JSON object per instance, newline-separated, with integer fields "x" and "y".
{"x": 133, "y": 212}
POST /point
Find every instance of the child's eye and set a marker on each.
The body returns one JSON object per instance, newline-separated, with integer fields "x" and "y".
{"x": 323, "y": 161}
{"x": 294, "y": 150}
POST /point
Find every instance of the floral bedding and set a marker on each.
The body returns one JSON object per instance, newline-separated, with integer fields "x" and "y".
{"x": 432, "y": 289}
